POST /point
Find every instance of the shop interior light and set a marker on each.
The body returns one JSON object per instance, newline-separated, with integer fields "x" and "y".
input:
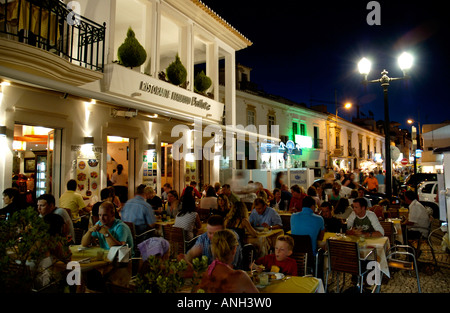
{"x": 89, "y": 140}
{"x": 19, "y": 145}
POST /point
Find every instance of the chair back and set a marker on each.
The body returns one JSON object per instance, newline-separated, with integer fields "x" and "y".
{"x": 302, "y": 244}
{"x": 388, "y": 230}
{"x": 203, "y": 214}
{"x": 286, "y": 220}
{"x": 302, "y": 261}
{"x": 176, "y": 240}
{"x": 79, "y": 232}
{"x": 166, "y": 231}
{"x": 248, "y": 256}
{"x": 343, "y": 256}
{"x": 133, "y": 230}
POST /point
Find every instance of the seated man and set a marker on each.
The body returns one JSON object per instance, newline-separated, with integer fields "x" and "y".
{"x": 264, "y": 216}
{"x": 332, "y": 224}
{"x": 74, "y": 201}
{"x": 139, "y": 212}
{"x": 108, "y": 230}
{"x": 363, "y": 222}
{"x": 307, "y": 222}
{"x": 418, "y": 220}
{"x": 203, "y": 244}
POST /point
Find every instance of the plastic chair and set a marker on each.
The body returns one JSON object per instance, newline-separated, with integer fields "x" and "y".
{"x": 399, "y": 259}
{"x": 344, "y": 257}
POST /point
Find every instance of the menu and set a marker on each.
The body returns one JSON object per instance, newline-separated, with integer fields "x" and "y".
{"x": 150, "y": 166}
{"x": 87, "y": 171}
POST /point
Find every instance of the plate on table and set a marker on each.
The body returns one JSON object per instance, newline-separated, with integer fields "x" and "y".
{"x": 274, "y": 276}
{"x": 262, "y": 230}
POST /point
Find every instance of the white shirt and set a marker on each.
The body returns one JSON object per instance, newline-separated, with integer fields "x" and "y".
{"x": 419, "y": 216}
{"x": 372, "y": 218}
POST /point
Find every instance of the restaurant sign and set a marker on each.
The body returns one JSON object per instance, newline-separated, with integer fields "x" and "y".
{"x": 123, "y": 82}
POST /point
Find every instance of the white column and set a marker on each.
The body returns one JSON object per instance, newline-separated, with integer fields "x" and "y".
{"x": 230, "y": 97}
{"x": 185, "y": 52}
{"x": 212, "y": 67}
{"x": 155, "y": 34}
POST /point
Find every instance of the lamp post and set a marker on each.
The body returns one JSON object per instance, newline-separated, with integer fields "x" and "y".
{"x": 416, "y": 144}
{"x": 405, "y": 63}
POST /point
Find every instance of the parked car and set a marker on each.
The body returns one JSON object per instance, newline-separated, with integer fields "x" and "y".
{"x": 427, "y": 191}
{"x": 414, "y": 180}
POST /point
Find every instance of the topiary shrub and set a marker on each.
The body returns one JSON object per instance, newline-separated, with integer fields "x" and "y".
{"x": 202, "y": 82}
{"x": 176, "y": 72}
{"x": 131, "y": 53}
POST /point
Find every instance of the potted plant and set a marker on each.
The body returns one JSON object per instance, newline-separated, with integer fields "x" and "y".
{"x": 131, "y": 53}
{"x": 25, "y": 244}
{"x": 176, "y": 72}
{"x": 201, "y": 82}
{"x": 168, "y": 276}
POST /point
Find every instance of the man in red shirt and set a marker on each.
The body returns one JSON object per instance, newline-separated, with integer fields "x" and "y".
{"x": 298, "y": 195}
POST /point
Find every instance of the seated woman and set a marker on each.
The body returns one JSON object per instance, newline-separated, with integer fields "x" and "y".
{"x": 209, "y": 202}
{"x": 187, "y": 218}
{"x": 172, "y": 206}
{"x": 220, "y": 276}
{"x": 223, "y": 206}
{"x": 342, "y": 209}
{"x": 237, "y": 219}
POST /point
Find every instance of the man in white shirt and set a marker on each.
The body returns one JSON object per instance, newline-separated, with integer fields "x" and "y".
{"x": 363, "y": 222}
{"x": 418, "y": 221}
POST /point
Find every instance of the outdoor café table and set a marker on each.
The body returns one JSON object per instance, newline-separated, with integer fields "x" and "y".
{"x": 160, "y": 224}
{"x": 90, "y": 258}
{"x": 264, "y": 241}
{"x": 381, "y": 244}
{"x": 293, "y": 284}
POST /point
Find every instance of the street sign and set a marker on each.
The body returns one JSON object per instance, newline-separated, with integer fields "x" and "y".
{"x": 404, "y": 161}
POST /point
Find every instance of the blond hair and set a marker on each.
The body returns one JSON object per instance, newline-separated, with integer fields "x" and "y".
{"x": 288, "y": 239}
{"x": 222, "y": 244}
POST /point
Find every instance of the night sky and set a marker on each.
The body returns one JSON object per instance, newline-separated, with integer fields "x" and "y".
{"x": 305, "y": 50}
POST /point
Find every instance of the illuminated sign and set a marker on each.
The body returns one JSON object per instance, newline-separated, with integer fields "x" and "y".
{"x": 304, "y": 141}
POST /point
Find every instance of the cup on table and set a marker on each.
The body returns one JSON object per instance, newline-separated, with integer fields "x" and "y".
{"x": 100, "y": 255}
{"x": 264, "y": 279}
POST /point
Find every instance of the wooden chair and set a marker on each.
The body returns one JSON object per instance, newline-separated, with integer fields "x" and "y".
{"x": 344, "y": 257}
{"x": 302, "y": 244}
{"x": 203, "y": 214}
{"x": 286, "y": 220}
{"x": 302, "y": 261}
{"x": 389, "y": 231}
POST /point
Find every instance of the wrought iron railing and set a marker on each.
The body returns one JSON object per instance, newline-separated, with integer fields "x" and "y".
{"x": 52, "y": 26}
{"x": 318, "y": 143}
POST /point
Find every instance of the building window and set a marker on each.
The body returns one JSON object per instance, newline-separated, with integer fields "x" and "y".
{"x": 270, "y": 123}
{"x": 303, "y": 129}
{"x": 251, "y": 115}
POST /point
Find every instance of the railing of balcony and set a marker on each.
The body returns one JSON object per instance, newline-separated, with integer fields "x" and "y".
{"x": 50, "y": 25}
{"x": 362, "y": 154}
{"x": 339, "y": 151}
{"x": 318, "y": 143}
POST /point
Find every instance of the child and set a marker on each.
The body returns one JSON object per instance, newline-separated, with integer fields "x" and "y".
{"x": 280, "y": 260}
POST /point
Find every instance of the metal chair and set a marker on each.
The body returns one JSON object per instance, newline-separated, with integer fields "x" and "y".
{"x": 302, "y": 261}
{"x": 344, "y": 257}
{"x": 302, "y": 244}
{"x": 389, "y": 231}
{"x": 397, "y": 257}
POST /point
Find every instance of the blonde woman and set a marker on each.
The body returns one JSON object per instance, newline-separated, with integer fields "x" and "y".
{"x": 220, "y": 276}
{"x": 237, "y": 219}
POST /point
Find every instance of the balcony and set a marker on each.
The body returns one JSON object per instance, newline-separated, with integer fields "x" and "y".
{"x": 47, "y": 39}
{"x": 338, "y": 151}
{"x": 362, "y": 154}
{"x": 351, "y": 152}
{"x": 318, "y": 143}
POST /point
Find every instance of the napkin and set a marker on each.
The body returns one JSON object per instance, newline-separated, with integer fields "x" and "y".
{"x": 122, "y": 253}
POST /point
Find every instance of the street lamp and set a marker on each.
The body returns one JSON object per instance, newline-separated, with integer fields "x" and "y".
{"x": 405, "y": 62}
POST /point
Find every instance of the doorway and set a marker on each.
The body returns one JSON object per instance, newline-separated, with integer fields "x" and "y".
{"x": 120, "y": 166}
{"x": 36, "y": 161}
